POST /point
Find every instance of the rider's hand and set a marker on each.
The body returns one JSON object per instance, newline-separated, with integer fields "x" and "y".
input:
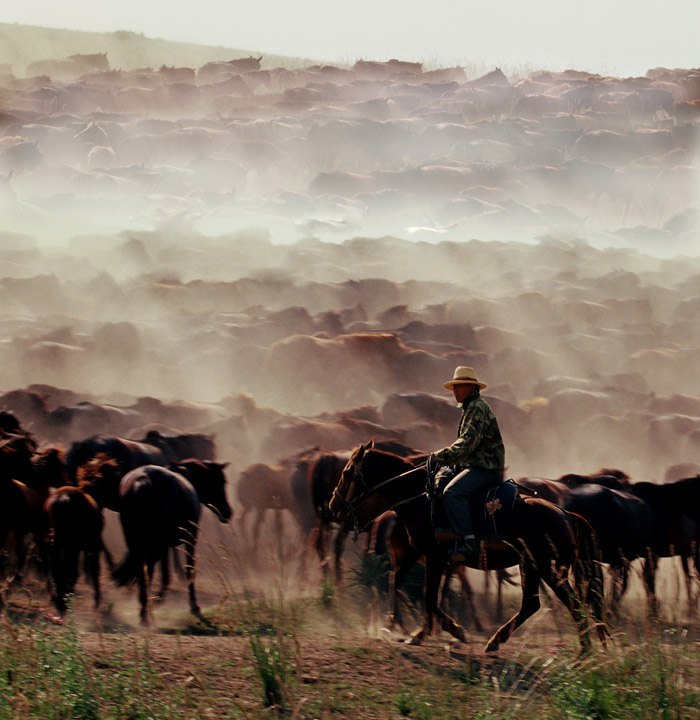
{"x": 432, "y": 465}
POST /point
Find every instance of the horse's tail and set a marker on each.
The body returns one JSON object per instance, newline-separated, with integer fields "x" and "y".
{"x": 381, "y": 529}
{"x": 588, "y": 572}
{"x": 127, "y": 571}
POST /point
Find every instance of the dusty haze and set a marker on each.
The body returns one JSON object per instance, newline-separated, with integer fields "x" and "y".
{"x": 299, "y": 257}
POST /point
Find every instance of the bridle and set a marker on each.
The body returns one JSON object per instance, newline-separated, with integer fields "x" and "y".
{"x": 351, "y": 506}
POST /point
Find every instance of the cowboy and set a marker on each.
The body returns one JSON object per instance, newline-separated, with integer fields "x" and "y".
{"x": 477, "y": 456}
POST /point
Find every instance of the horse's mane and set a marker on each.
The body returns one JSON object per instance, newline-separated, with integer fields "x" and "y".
{"x": 94, "y": 468}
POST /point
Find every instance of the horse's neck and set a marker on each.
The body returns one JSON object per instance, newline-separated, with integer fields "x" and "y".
{"x": 33, "y": 497}
{"x": 396, "y": 490}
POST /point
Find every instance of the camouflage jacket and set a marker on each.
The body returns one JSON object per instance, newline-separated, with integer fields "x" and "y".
{"x": 479, "y": 442}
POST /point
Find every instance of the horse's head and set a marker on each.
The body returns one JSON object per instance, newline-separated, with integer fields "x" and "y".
{"x": 368, "y": 485}
{"x": 100, "y": 478}
{"x": 351, "y": 484}
{"x": 50, "y": 467}
{"x": 209, "y": 481}
{"x": 16, "y": 453}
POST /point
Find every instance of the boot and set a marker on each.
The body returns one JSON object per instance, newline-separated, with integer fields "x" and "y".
{"x": 466, "y": 550}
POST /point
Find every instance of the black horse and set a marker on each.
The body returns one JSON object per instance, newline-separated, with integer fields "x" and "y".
{"x": 154, "y": 449}
{"x": 622, "y": 521}
{"x": 632, "y": 520}
{"x": 675, "y": 528}
{"x": 545, "y": 541}
{"x": 160, "y": 508}
{"x": 129, "y": 454}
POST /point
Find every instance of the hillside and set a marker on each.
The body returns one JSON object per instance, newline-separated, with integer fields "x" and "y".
{"x": 21, "y": 45}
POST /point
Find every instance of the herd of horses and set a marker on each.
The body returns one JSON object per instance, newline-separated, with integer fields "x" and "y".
{"x": 562, "y": 533}
{"x": 55, "y": 501}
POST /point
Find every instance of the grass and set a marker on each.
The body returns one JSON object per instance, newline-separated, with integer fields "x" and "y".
{"x": 311, "y": 656}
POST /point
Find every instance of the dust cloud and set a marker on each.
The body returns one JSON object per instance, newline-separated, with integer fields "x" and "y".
{"x": 290, "y": 258}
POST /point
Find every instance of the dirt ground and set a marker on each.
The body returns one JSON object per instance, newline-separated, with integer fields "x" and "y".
{"x": 331, "y": 643}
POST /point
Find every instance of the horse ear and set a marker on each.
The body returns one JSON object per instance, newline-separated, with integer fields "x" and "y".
{"x": 370, "y": 444}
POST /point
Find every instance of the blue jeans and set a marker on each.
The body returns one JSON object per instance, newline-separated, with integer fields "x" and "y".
{"x": 457, "y": 493}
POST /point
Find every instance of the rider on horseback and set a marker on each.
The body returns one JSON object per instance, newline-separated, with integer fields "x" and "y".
{"x": 477, "y": 458}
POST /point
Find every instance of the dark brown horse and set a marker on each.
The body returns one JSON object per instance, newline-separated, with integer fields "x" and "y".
{"x": 622, "y": 521}
{"x": 675, "y": 528}
{"x": 75, "y": 528}
{"x": 160, "y": 508}
{"x": 545, "y": 542}
{"x": 25, "y": 479}
{"x": 632, "y": 520}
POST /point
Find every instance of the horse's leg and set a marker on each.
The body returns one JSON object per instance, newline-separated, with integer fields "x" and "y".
{"x": 461, "y": 572}
{"x": 561, "y": 587}
{"x": 108, "y": 555}
{"x": 499, "y": 594}
{"x": 258, "y": 521}
{"x": 649, "y": 576}
{"x": 20, "y": 559}
{"x": 687, "y": 575}
{"x": 618, "y": 585}
{"x": 338, "y": 547}
{"x": 396, "y": 578}
{"x": 529, "y": 605}
{"x": 92, "y": 565}
{"x": 696, "y": 563}
{"x": 434, "y": 570}
{"x": 164, "y": 575}
{"x": 143, "y": 577}
{"x": 319, "y": 544}
{"x": 58, "y": 572}
{"x": 190, "y": 568}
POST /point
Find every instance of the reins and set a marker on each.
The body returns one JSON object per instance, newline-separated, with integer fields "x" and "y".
{"x": 370, "y": 491}
{"x": 351, "y": 507}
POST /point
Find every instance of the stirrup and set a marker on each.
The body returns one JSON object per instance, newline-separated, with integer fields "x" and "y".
{"x": 442, "y": 534}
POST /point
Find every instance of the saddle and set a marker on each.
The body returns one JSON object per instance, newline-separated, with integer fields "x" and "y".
{"x": 491, "y": 510}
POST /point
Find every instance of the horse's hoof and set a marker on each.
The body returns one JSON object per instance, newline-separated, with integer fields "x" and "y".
{"x": 492, "y": 646}
{"x": 413, "y": 640}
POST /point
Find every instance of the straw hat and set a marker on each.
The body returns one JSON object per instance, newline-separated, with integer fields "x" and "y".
{"x": 464, "y": 375}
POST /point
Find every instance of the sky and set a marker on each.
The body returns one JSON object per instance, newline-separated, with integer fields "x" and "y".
{"x": 621, "y": 37}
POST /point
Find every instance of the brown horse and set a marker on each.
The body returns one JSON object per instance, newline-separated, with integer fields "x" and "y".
{"x": 75, "y": 522}
{"x": 389, "y": 535}
{"x": 262, "y": 488}
{"x": 25, "y": 479}
{"x": 160, "y": 508}
{"x": 545, "y": 542}
{"x": 75, "y": 527}
{"x": 321, "y": 472}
